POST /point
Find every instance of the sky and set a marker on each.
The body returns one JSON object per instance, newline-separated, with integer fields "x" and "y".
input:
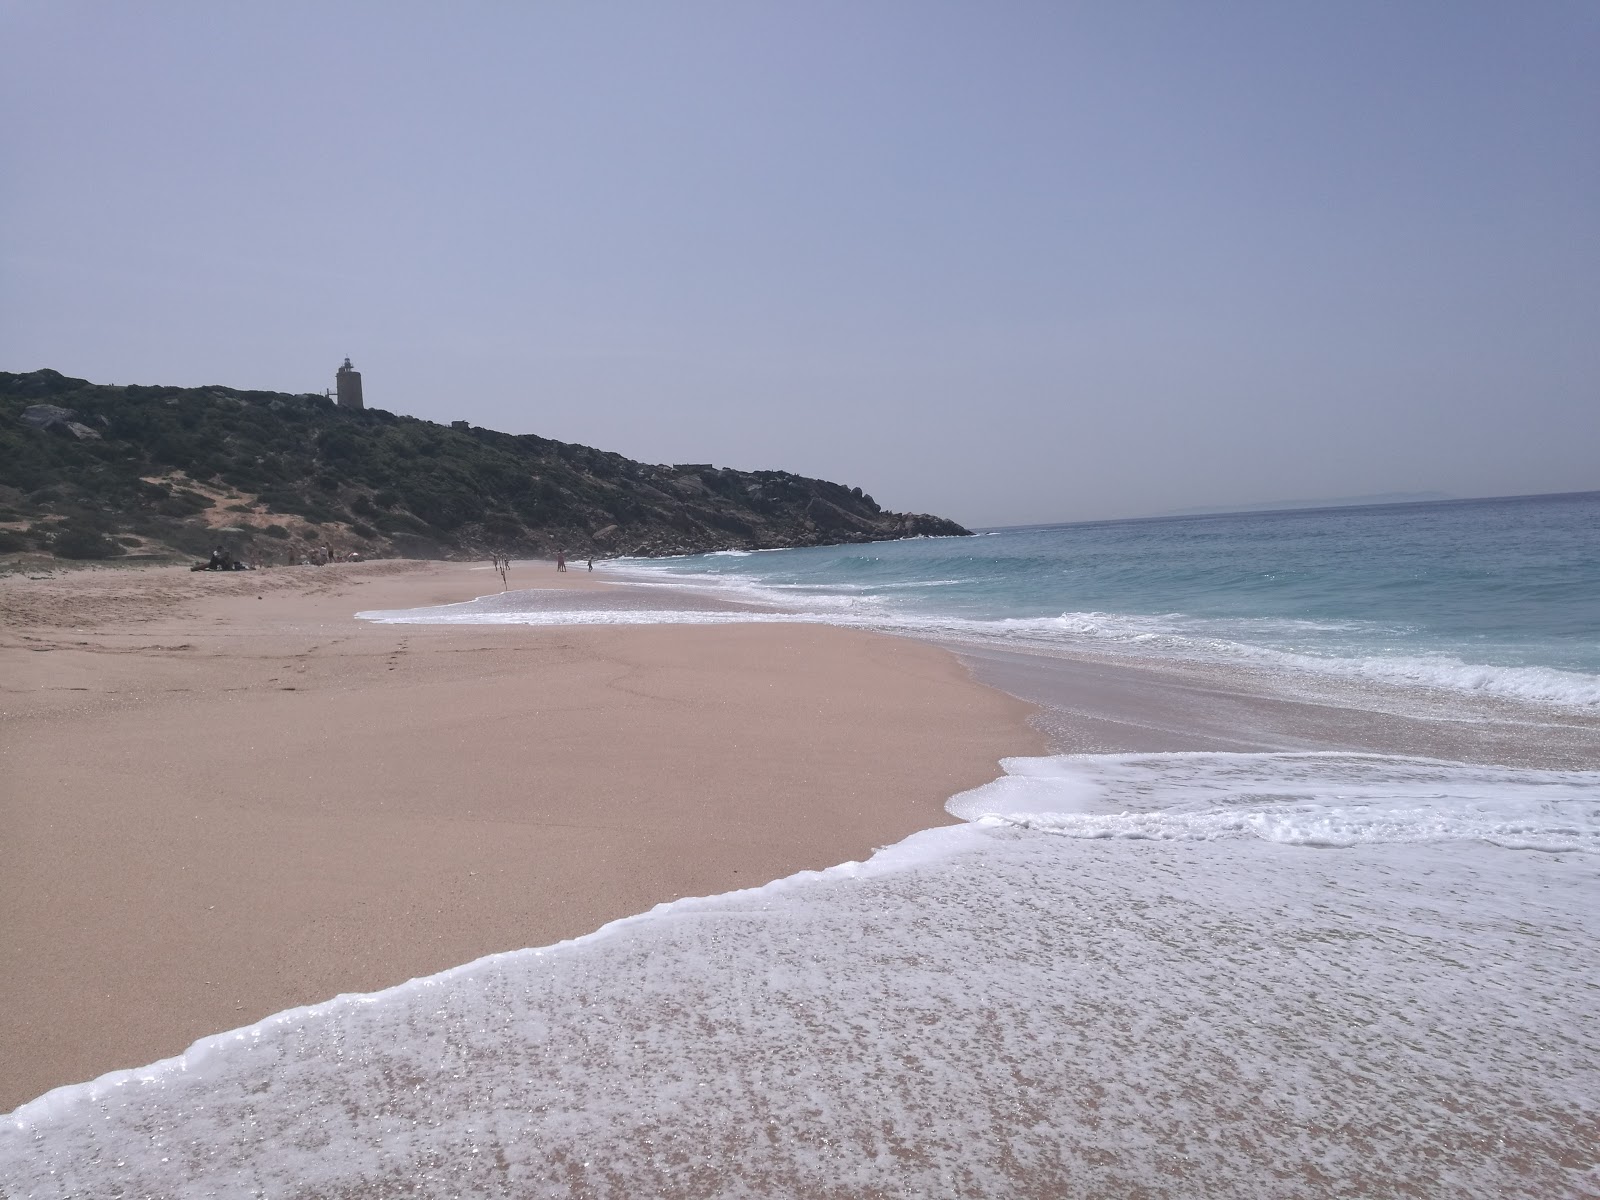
{"x": 1007, "y": 262}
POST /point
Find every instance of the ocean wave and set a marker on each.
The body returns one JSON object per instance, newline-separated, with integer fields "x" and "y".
{"x": 861, "y": 588}
{"x": 1443, "y": 671}
{"x": 1543, "y": 685}
{"x": 1088, "y": 630}
{"x": 1156, "y": 635}
{"x": 1311, "y": 799}
{"x": 748, "y": 589}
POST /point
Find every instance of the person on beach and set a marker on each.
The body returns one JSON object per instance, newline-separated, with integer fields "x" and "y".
{"x": 591, "y": 564}
{"x": 561, "y": 560}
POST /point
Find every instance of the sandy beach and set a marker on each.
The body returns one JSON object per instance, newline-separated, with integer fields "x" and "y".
{"x": 226, "y": 796}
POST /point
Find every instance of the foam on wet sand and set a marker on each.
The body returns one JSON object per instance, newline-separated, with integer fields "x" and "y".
{"x": 981, "y": 1010}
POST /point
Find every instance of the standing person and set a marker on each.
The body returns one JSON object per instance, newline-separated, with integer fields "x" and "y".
{"x": 591, "y": 564}
{"x": 561, "y": 560}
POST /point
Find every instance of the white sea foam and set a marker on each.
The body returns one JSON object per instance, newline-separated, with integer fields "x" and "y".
{"x": 742, "y": 589}
{"x": 1160, "y": 636}
{"x": 1255, "y": 642}
{"x": 1316, "y": 799}
{"x": 1147, "y": 635}
{"x": 985, "y": 1010}
{"x": 865, "y": 588}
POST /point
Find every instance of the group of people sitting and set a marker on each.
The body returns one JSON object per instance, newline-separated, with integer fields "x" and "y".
{"x": 221, "y": 560}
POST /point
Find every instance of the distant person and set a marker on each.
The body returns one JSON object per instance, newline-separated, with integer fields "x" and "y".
{"x": 561, "y": 560}
{"x": 219, "y": 559}
{"x": 591, "y": 564}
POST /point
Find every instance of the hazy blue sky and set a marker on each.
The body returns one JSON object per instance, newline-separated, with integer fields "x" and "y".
{"x": 1008, "y": 262}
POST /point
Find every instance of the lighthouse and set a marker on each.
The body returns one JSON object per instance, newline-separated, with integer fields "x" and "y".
{"x": 349, "y": 383}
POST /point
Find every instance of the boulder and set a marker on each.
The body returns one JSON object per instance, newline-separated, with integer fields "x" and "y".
{"x": 47, "y": 416}
{"x": 53, "y": 416}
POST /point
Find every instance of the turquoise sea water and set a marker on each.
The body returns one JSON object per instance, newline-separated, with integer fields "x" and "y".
{"x": 1498, "y": 596}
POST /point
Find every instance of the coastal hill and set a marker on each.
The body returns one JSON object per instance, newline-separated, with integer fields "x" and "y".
{"x": 95, "y": 471}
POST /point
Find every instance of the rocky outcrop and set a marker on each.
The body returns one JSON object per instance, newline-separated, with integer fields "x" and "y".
{"x": 53, "y": 416}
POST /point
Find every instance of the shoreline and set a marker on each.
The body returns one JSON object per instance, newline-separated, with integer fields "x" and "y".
{"x": 1096, "y": 705}
{"x": 1091, "y": 700}
{"x": 1123, "y": 947}
{"x": 231, "y": 798}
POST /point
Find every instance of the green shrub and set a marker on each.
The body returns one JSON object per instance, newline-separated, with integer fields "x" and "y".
{"x": 501, "y": 531}
{"x": 182, "y": 503}
{"x": 80, "y": 541}
{"x": 190, "y": 539}
{"x": 399, "y": 523}
{"x": 275, "y": 531}
{"x": 282, "y": 501}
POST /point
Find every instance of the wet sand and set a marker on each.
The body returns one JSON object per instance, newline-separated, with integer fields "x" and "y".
{"x": 225, "y": 796}
{"x": 1098, "y": 705}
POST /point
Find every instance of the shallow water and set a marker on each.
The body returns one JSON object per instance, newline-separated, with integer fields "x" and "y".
{"x": 1480, "y": 597}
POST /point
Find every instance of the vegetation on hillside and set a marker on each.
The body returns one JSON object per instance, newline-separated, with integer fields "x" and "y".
{"x": 95, "y": 471}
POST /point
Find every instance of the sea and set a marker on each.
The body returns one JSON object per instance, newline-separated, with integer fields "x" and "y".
{"x": 1305, "y": 903}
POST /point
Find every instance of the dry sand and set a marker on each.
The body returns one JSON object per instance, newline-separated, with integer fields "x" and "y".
{"x": 224, "y": 796}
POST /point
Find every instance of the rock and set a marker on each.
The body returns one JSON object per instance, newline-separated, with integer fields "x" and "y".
{"x": 53, "y": 416}
{"x": 923, "y": 525}
{"x": 832, "y": 517}
{"x": 47, "y": 416}
{"x": 689, "y": 485}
